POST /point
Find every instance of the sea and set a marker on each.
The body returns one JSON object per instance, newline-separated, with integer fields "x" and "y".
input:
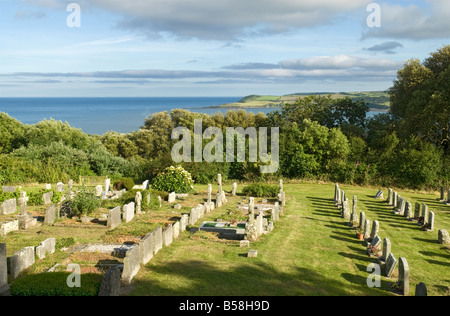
{"x": 100, "y": 115}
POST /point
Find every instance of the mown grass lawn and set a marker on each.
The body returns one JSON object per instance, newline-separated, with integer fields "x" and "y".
{"x": 312, "y": 251}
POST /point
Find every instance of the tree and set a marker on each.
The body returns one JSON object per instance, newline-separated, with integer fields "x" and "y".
{"x": 12, "y": 133}
{"x": 420, "y": 99}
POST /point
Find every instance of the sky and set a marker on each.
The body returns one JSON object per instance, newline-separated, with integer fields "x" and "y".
{"x": 145, "y": 48}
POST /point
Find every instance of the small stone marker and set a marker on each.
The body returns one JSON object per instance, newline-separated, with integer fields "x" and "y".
{"x": 50, "y": 215}
{"x": 60, "y": 187}
{"x": 443, "y": 237}
{"x": 234, "y": 190}
{"x": 244, "y": 243}
{"x": 8, "y": 207}
{"x": 252, "y": 253}
{"x": 98, "y": 190}
{"x": 172, "y": 197}
{"x": 391, "y": 263}
{"x": 47, "y": 197}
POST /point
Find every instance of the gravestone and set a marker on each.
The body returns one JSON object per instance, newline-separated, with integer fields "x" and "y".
{"x": 60, "y": 187}
{"x": 336, "y": 193}
{"x": 172, "y": 197}
{"x": 9, "y": 189}
{"x": 375, "y": 229}
{"x": 417, "y": 210}
{"x": 3, "y": 270}
{"x": 176, "y": 230}
{"x": 391, "y": 263}
{"x": 8, "y": 207}
{"x": 50, "y": 215}
{"x": 403, "y": 275}
{"x": 442, "y": 198}
{"x": 138, "y": 201}
{"x": 244, "y": 243}
{"x": 193, "y": 216}
{"x": 48, "y": 186}
{"x": 362, "y": 219}
{"x": 354, "y": 221}
{"x": 367, "y": 229}
{"x": 168, "y": 235}
{"x": 110, "y": 285}
{"x": 21, "y": 260}
{"x": 390, "y": 198}
{"x": 131, "y": 264}
{"x": 395, "y": 199}
{"x": 22, "y": 201}
{"x": 209, "y": 193}
{"x": 234, "y": 190}
{"x": 386, "y": 249}
{"x": 421, "y": 289}
{"x": 145, "y": 185}
{"x": 146, "y": 248}
{"x": 47, "y": 197}
{"x": 443, "y": 237}
{"x": 448, "y": 196}
{"x": 259, "y": 224}
{"x": 107, "y": 186}
{"x": 408, "y": 211}
{"x": 46, "y": 247}
{"x": 219, "y": 180}
{"x": 379, "y": 195}
{"x": 401, "y": 206}
{"x": 376, "y": 242}
{"x": 430, "y": 221}
{"x": 114, "y": 218}
{"x": 9, "y": 227}
{"x": 128, "y": 212}
{"x": 98, "y": 190}
{"x": 346, "y": 209}
{"x": 355, "y": 203}
{"x": 157, "y": 233}
{"x": 338, "y": 201}
{"x": 425, "y": 213}
{"x": 252, "y": 253}
{"x": 184, "y": 222}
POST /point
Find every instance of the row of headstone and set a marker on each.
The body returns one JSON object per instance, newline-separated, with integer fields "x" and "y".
{"x": 22, "y": 260}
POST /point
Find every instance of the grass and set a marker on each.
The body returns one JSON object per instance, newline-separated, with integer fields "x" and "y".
{"x": 311, "y": 251}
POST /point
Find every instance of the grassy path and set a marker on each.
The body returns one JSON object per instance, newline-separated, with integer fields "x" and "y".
{"x": 310, "y": 252}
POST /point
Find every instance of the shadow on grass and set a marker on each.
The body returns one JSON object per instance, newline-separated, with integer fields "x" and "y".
{"x": 254, "y": 278}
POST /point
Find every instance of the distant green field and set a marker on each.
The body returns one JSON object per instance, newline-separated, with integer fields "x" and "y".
{"x": 376, "y": 100}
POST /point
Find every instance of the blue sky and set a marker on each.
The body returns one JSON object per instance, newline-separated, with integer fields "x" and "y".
{"x": 211, "y": 48}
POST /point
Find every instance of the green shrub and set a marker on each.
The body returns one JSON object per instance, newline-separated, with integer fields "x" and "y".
{"x": 8, "y": 195}
{"x": 260, "y": 190}
{"x": 124, "y": 183}
{"x": 55, "y": 284}
{"x": 174, "y": 179}
{"x": 84, "y": 203}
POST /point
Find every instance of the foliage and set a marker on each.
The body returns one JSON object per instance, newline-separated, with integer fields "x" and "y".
{"x": 55, "y": 284}
{"x": 84, "y": 203}
{"x": 4, "y": 196}
{"x": 174, "y": 179}
{"x": 124, "y": 183}
{"x": 260, "y": 190}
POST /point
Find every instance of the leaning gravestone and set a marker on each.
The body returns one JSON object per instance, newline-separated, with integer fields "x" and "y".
{"x": 110, "y": 285}
{"x": 391, "y": 263}
{"x": 46, "y": 247}
{"x": 168, "y": 235}
{"x": 157, "y": 233}
{"x": 184, "y": 222}
{"x": 379, "y": 195}
{"x": 386, "y": 249}
{"x": 9, "y": 227}
{"x": 421, "y": 289}
{"x": 47, "y": 197}
{"x": 146, "y": 248}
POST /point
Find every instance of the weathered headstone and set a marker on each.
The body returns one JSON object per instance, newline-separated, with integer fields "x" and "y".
{"x": 401, "y": 206}
{"x": 417, "y": 210}
{"x": 234, "y": 190}
{"x": 128, "y": 212}
{"x": 172, "y": 197}
{"x": 442, "y": 198}
{"x": 209, "y": 193}
{"x": 3, "y": 270}
{"x": 379, "y": 195}
{"x": 367, "y": 229}
{"x": 145, "y": 185}
{"x": 8, "y": 207}
{"x": 409, "y": 210}
{"x": 390, "y": 198}
{"x": 50, "y": 215}
{"x": 244, "y": 243}
{"x": 346, "y": 209}
{"x": 168, "y": 235}
{"x": 98, "y": 190}
{"x": 114, "y": 218}
{"x": 184, "y": 222}
{"x": 403, "y": 275}
{"x": 146, "y": 248}
{"x": 362, "y": 219}
{"x": 395, "y": 199}
{"x": 9, "y": 227}
{"x": 252, "y": 253}
{"x": 425, "y": 213}
{"x": 138, "y": 201}
{"x": 386, "y": 249}
{"x": 421, "y": 289}
{"x": 443, "y": 237}
{"x": 157, "y": 233}
{"x": 47, "y": 197}
{"x": 46, "y": 247}
{"x": 176, "y": 230}
{"x": 110, "y": 285}
{"x": 48, "y": 186}
{"x": 391, "y": 263}
{"x": 375, "y": 229}
{"x": 107, "y": 185}
{"x": 60, "y": 187}
{"x": 131, "y": 264}
{"x": 21, "y": 260}
{"x": 259, "y": 224}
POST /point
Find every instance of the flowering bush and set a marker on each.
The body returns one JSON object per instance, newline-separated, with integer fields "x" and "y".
{"x": 174, "y": 179}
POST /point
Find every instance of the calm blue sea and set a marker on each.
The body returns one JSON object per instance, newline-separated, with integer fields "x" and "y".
{"x": 100, "y": 115}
